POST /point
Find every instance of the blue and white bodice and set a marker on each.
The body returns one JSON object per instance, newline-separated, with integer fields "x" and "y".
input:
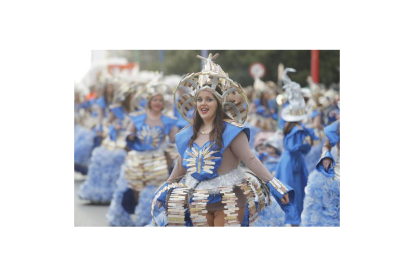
{"x": 202, "y": 162}
{"x": 332, "y": 134}
{"x": 147, "y": 137}
{"x": 121, "y": 117}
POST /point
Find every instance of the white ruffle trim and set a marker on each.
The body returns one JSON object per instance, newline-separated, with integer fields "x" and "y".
{"x": 229, "y": 179}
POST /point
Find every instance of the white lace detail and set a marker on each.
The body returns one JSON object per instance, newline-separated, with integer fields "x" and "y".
{"x": 229, "y": 179}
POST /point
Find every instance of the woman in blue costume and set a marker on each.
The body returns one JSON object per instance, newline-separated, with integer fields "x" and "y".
{"x": 146, "y": 165}
{"x": 321, "y": 206}
{"x": 207, "y": 187}
{"x": 108, "y": 158}
{"x": 84, "y": 138}
{"x": 296, "y": 143}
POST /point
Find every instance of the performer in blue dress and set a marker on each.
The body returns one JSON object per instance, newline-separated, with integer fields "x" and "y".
{"x": 207, "y": 187}
{"x": 147, "y": 163}
{"x": 264, "y": 107}
{"x": 296, "y": 143}
{"x": 84, "y": 140}
{"x": 322, "y": 201}
{"x": 108, "y": 158}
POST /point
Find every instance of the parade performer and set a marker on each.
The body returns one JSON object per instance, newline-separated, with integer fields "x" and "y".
{"x": 264, "y": 106}
{"x": 147, "y": 163}
{"x": 207, "y": 187}
{"x": 273, "y": 146}
{"x": 321, "y": 205}
{"x": 83, "y": 138}
{"x": 296, "y": 143}
{"x": 108, "y": 158}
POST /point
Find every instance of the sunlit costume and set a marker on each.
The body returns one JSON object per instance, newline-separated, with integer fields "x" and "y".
{"x": 322, "y": 200}
{"x": 146, "y": 165}
{"x": 187, "y": 198}
{"x": 108, "y": 158}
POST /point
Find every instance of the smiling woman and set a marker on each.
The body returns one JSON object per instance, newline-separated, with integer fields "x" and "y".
{"x": 207, "y": 187}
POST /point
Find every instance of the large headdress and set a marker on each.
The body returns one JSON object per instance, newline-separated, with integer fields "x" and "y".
{"x": 123, "y": 91}
{"x": 296, "y": 110}
{"x": 232, "y": 97}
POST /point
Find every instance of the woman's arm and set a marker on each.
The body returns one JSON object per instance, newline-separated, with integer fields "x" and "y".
{"x": 240, "y": 147}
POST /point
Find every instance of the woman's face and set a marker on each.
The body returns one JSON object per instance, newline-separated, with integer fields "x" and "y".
{"x": 206, "y": 105}
{"x": 157, "y": 103}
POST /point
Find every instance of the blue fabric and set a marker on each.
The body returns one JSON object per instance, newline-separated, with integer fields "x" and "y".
{"x": 103, "y": 173}
{"x": 81, "y": 169}
{"x": 265, "y": 111}
{"x": 315, "y": 113}
{"x": 292, "y": 169}
{"x": 181, "y": 122}
{"x": 163, "y": 196}
{"x": 271, "y": 216}
{"x": 119, "y": 113}
{"x": 84, "y": 144}
{"x": 271, "y": 163}
{"x": 332, "y": 133}
{"x": 322, "y": 201}
{"x": 143, "y": 209}
{"x": 128, "y": 201}
{"x": 117, "y": 216}
{"x": 201, "y": 174}
{"x": 312, "y": 158}
{"x": 146, "y": 144}
{"x": 332, "y": 115}
{"x": 101, "y": 102}
{"x": 320, "y": 168}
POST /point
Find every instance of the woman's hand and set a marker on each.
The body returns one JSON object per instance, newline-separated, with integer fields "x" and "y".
{"x": 327, "y": 163}
{"x": 285, "y": 199}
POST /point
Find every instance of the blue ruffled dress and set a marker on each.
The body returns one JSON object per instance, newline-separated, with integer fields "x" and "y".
{"x": 322, "y": 200}
{"x": 124, "y": 209}
{"x": 105, "y": 167}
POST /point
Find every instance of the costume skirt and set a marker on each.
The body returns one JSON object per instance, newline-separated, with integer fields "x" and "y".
{"x": 141, "y": 175}
{"x": 188, "y": 201}
{"x": 84, "y": 141}
{"x": 103, "y": 173}
{"x": 321, "y": 206}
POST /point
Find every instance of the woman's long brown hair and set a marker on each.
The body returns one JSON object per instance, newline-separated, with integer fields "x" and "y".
{"x": 126, "y": 104}
{"x": 288, "y": 127}
{"x": 217, "y": 132}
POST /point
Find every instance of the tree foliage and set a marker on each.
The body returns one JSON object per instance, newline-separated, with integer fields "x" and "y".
{"x": 237, "y": 62}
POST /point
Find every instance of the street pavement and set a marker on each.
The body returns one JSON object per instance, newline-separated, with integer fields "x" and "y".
{"x": 88, "y": 214}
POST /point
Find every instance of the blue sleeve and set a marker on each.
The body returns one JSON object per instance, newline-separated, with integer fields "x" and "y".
{"x": 319, "y": 167}
{"x": 294, "y": 142}
{"x": 278, "y": 189}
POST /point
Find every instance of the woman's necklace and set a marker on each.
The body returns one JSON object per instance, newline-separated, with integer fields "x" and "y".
{"x": 204, "y": 130}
